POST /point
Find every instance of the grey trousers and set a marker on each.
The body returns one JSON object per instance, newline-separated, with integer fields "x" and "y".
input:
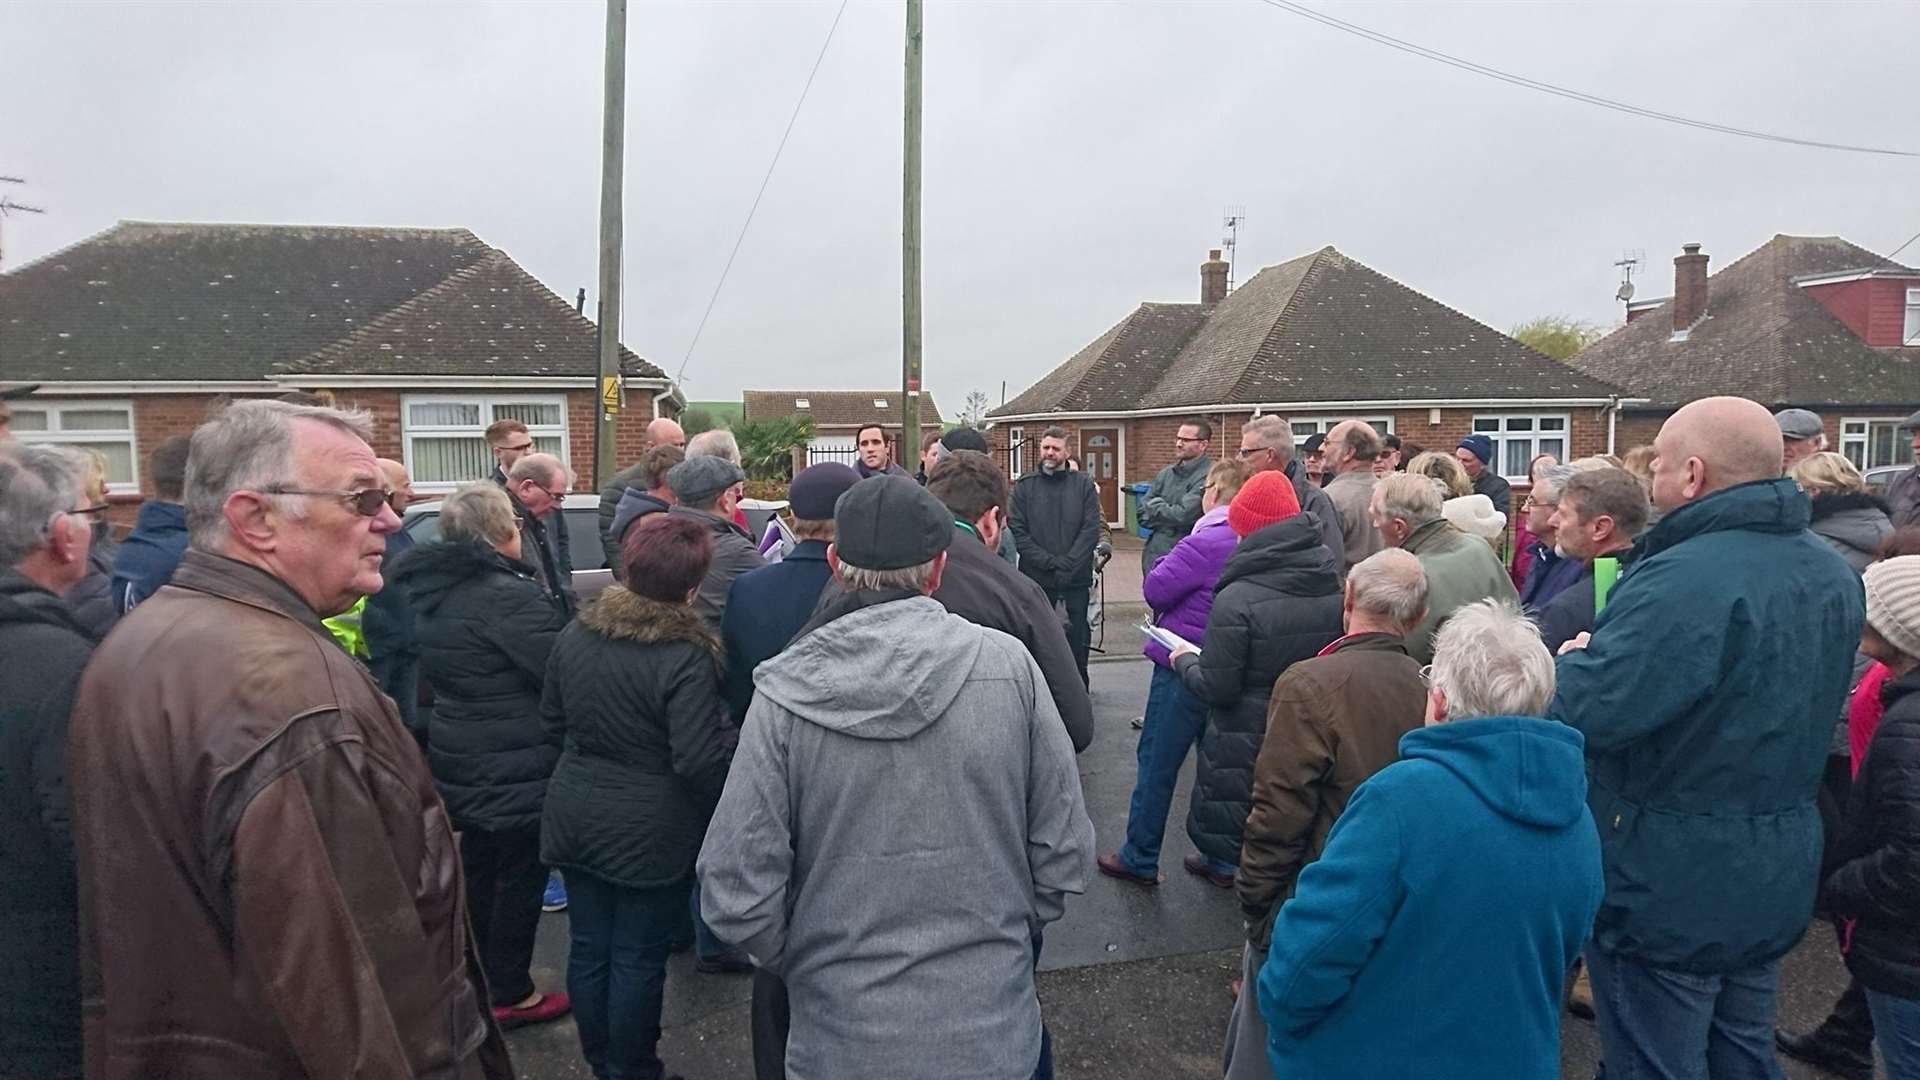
{"x": 1245, "y": 1055}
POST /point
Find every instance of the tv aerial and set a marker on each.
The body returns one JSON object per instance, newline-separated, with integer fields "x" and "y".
{"x": 1627, "y": 262}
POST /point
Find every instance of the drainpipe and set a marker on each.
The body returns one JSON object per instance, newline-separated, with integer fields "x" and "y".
{"x": 1613, "y": 415}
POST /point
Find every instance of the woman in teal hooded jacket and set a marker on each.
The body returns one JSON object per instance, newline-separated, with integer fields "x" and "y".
{"x": 1433, "y": 936}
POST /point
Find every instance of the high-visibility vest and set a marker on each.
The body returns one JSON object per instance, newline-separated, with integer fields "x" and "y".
{"x": 346, "y": 629}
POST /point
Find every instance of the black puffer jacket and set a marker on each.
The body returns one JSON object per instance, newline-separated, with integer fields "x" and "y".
{"x": 1876, "y": 863}
{"x": 484, "y": 628}
{"x": 1277, "y": 601}
{"x": 45, "y": 649}
{"x": 634, "y": 688}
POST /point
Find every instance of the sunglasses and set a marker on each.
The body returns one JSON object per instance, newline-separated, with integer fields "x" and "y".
{"x": 367, "y": 502}
{"x": 522, "y": 446}
{"x": 96, "y": 508}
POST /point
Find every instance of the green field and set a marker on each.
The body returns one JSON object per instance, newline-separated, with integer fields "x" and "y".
{"x": 725, "y": 414}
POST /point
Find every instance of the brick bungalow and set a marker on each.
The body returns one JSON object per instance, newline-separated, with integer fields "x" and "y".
{"x": 1807, "y": 321}
{"x": 135, "y": 333}
{"x": 838, "y": 415}
{"x": 1317, "y": 340}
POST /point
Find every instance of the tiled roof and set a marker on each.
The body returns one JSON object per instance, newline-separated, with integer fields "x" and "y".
{"x": 1764, "y": 338}
{"x": 1322, "y": 327}
{"x": 491, "y": 318}
{"x": 182, "y": 302}
{"x": 835, "y": 408}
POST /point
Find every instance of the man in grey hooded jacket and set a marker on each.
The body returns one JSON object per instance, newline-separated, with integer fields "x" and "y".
{"x": 902, "y": 817}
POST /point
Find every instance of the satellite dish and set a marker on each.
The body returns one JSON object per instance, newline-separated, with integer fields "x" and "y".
{"x": 1626, "y": 292}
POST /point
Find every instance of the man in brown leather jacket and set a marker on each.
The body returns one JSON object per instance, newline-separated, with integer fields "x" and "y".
{"x": 1332, "y": 722}
{"x": 269, "y": 885}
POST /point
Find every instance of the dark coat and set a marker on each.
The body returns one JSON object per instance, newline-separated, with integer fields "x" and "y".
{"x": 1320, "y": 507}
{"x": 765, "y": 608}
{"x": 45, "y": 650}
{"x": 1549, "y": 574}
{"x": 484, "y": 627}
{"x": 393, "y": 650}
{"x": 148, "y": 555}
{"x": 91, "y": 601}
{"x": 545, "y": 547}
{"x": 633, "y": 690}
{"x": 1278, "y": 601}
{"x": 981, "y": 588}
{"x": 734, "y": 554}
{"x": 1056, "y": 525}
{"x": 1334, "y": 721}
{"x": 1495, "y": 487}
{"x": 1876, "y": 875}
{"x": 633, "y": 506}
{"x": 1707, "y": 698}
{"x": 1903, "y": 498}
{"x": 1855, "y": 526}
{"x": 1171, "y": 507}
{"x": 610, "y": 498}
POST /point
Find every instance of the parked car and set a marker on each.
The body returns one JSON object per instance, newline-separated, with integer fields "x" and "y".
{"x": 590, "y": 571}
{"x": 1880, "y": 478}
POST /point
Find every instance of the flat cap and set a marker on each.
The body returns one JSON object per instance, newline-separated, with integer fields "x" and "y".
{"x": 817, "y": 488}
{"x": 890, "y": 523}
{"x": 965, "y": 438}
{"x": 1798, "y": 424}
{"x": 698, "y": 479}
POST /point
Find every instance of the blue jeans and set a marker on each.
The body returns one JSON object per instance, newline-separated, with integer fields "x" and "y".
{"x": 1673, "y": 1025}
{"x": 1175, "y": 718}
{"x": 705, "y": 945}
{"x": 617, "y": 972}
{"x": 1896, "y": 1027}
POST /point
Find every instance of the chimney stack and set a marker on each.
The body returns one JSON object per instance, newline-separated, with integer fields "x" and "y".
{"x": 1689, "y": 287}
{"x": 1213, "y": 278}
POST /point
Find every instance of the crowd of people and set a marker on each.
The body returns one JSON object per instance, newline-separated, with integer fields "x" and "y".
{"x": 285, "y": 792}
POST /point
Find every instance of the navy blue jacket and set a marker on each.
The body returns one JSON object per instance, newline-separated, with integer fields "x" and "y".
{"x": 1707, "y": 698}
{"x": 1465, "y": 873}
{"x": 765, "y": 608}
{"x": 392, "y": 647}
{"x": 148, "y": 555}
{"x": 1549, "y": 575}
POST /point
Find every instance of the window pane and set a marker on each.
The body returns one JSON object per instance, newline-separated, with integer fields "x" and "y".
{"x": 1556, "y": 447}
{"x": 1880, "y": 448}
{"x": 1517, "y": 453}
{"x": 1553, "y": 423}
{"x": 1486, "y": 423}
{"x": 450, "y": 460}
{"x": 531, "y": 413}
{"x": 29, "y": 419}
{"x": 443, "y": 414}
{"x": 95, "y": 420}
{"x": 1856, "y": 451}
{"x": 1304, "y": 428}
{"x": 119, "y": 458}
{"x": 548, "y": 444}
{"x": 1519, "y": 423}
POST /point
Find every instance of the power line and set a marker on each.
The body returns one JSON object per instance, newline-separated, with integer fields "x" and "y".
{"x": 1561, "y": 91}
{"x": 771, "y": 165}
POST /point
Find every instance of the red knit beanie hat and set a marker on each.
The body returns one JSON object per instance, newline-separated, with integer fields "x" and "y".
{"x": 1267, "y": 499}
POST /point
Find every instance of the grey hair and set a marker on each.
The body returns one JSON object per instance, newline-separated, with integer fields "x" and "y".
{"x": 545, "y": 469}
{"x": 248, "y": 446}
{"x": 37, "y": 483}
{"x": 1390, "y": 583}
{"x": 718, "y": 443}
{"x": 1489, "y": 661}
{"x": 1410, "y": 497}
{"x": 1274, "y": 432}
{"x": 1553, "y": 481}
{"x": 478, "y": 513}
{"x": 912, "y": 578}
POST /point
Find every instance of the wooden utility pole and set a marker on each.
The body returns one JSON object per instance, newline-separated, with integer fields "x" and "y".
{"x": 910, "y": 249}
{"x": 613, "y": 143}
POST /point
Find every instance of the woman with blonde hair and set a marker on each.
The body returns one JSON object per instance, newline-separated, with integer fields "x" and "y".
{"x": 1853, "y": 521}
{"x": 1454, "y": 483}
{"x": 91, "y": 601}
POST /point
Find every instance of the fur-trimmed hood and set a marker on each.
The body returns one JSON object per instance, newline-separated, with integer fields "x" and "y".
{"x": 622, "y": 615}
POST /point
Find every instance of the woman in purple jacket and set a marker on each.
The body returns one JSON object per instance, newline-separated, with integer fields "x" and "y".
{"x": 1180, "y": 592}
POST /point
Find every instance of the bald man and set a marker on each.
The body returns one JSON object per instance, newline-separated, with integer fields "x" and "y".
{"x": 1706, "y": 694}
{"x": 661, "y": 432}
{"x": 393, "y": 655}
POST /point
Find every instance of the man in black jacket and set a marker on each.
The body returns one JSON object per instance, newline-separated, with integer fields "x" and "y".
{"x": 983, "y": 589}
{"x": 537, "y": 484}
{"x": 660, "y": 432}
{"x": 1056, "y": 525}
{"x": 511, "y": 442}
{"x": 45, "y": 535}
{"x": 1476, "y": 454}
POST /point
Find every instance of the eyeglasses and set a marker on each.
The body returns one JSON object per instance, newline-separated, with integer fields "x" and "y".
{"x": 96, "y": 508}
{"x": 516, "y": 449}
{"x": 1426, "y": 674}
{"x": 1533, "y": 502}
{"x": 367, "y": 502}
{"x": 1247, "y": 452}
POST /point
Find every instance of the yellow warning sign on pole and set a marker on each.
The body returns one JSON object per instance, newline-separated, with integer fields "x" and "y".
{"x": 610, "y": 393}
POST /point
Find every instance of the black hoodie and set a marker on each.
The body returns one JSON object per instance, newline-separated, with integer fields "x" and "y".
{"x": 484, "y": 628}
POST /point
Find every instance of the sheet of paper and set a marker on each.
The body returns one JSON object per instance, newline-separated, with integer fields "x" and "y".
{"x": 1171, "y": 641}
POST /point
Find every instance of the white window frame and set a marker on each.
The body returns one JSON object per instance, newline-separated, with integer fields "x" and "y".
{"x": 1856, "y": 441}
{"x": 57, "y": 433}
{"x": 487, "y": 404}
{"x": 1016, "y": 452}
{"x": 1502, "y": 435}
{"x": 1325, "y": 424}
{"x": 1910, "y": 327}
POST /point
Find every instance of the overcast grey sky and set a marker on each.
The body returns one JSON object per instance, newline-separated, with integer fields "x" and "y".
{"x": 1078, "y": 155}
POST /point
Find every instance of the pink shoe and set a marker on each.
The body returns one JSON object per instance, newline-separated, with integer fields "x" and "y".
{"x": 550, "y": 1007}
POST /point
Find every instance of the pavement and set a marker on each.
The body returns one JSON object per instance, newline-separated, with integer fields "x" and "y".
{"x": 1133, "y": 981}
